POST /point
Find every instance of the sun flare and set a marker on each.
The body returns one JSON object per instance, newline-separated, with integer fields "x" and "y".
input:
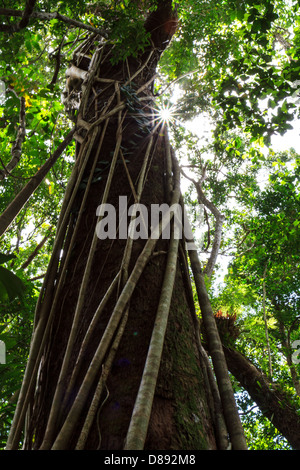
{"x": 166, "y": 113}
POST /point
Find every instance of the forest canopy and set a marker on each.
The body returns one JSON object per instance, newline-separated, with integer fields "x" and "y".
{"x": 226, "y": 85}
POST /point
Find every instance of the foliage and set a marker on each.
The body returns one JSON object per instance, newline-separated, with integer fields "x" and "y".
{"x": 261, "y": 434}
{"x": 268, "y": 228}
{"x": 11, "y": 285}
{"x": 16, "y": 319}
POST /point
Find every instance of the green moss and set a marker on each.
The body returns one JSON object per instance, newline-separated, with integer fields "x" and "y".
{"x": 191, "y": 411}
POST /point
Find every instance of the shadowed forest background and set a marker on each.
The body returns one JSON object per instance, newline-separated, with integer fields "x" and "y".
{"x": 163, "y": 102}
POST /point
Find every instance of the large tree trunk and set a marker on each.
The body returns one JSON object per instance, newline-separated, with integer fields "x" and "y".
{"x": 85, "y": 291}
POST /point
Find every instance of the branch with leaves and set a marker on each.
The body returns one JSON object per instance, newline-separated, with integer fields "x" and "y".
{"x": 16, "y": 150}
{"x": 22, "y": 197}
{"x": 44, "y": 16}
{"x": 23, "y": 23}
{"x": 36, "y": 251}
{"x": 202, "y": 199}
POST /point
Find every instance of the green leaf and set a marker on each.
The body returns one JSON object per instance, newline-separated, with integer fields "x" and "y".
{"x": 5, "y": 258}
{"x": 11, "y": 285}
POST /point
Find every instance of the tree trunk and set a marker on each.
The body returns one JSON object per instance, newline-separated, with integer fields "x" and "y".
{"x": 102, "y": 302}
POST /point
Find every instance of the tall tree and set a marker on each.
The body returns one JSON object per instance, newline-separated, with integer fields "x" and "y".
{"x": 115, "y": 359}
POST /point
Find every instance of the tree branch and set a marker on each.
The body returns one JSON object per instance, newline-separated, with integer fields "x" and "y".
{"x": 26, "y": 15}
{"x": 22, "y": 197}
{"x": 17, "y": 145}
{"x": 35, "y": 251}
{"x": 202, "y": 199}
{"x": 57, "y": 57}
{"x": 45, "y": 17}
